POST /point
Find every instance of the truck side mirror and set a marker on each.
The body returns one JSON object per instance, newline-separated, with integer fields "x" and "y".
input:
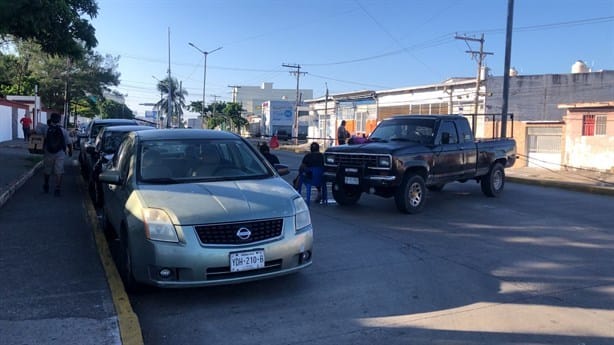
{"x": 445, "y": 138}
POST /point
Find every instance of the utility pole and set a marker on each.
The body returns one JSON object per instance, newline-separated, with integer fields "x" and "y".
{"x": 169, "y": 100}
{"x": 297, "y": 73}
{"x": 506, "y": 68}
{"x": 215, "y": 97}
{"x": 325, "y": 116}
{"x": 235, "y": 91}
{"x": 179, "y": 110}
{"x": 480, "y": 57}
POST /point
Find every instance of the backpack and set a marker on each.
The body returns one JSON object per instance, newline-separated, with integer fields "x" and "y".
{"x": 54, "y": 140}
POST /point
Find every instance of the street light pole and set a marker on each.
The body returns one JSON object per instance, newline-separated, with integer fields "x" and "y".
{"x": 204, "y": 72}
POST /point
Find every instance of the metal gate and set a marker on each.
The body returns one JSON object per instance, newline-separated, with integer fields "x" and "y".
{"x": 544, "y": 147}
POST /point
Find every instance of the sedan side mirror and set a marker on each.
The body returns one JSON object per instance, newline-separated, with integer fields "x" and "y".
{"x": 282, "y": 169}
{"x": 110, "y": 177}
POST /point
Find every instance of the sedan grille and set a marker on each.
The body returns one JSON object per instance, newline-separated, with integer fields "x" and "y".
{"x": 240, "y": 233}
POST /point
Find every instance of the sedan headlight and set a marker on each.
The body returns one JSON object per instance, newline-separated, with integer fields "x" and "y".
{"x": 302, "y": 218}
{"x": 158, "y": 226}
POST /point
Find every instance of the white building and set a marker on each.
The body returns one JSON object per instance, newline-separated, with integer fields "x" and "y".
{"x": 252, "y": 97}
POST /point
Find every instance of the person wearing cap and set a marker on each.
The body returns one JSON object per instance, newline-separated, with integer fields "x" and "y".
{"x": 53, "y": 163}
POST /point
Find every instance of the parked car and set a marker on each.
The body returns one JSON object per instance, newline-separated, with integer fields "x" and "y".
{"x": 102, "y": 152}
{"x": 193, "y": 207}
{"x": 88, "y": 138}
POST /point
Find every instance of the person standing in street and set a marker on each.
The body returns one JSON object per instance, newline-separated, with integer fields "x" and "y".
{"x": 313, "y": 159}
{"x": 55, "y": 144}
{"x": 342, "y": 133}
{"x": 26, "y": 124}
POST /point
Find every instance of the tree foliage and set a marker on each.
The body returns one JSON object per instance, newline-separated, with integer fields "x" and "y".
{"x": 226, "y": 116}
{"x": 57, "y": 25}
{"x": 81, "y": 82}
{"x": 166, "y": 87}
{"x": 110, "y": 109}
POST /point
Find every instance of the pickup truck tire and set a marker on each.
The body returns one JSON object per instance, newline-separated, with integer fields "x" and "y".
{"x": 492, "y": 183}
{"x": 411, "y": 195}
{"x": 344, "y": 195}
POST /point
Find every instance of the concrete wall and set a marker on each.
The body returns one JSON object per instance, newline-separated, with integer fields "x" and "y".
{"x": 593, "y": 152}
{"x": 10, "y": 114}
{"x": 536, "y": 97}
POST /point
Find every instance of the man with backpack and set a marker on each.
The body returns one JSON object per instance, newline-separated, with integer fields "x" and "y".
{"x": 57, "y": 141}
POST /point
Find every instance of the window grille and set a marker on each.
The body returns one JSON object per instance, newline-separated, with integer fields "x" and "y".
{"x": 588, "y": 125}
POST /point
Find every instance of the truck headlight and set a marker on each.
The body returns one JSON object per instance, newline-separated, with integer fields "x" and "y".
{"x": 158, "y": 226}
{"x": 302, "y": 218}
{"x": 384, "y": 162}
{"x": 330, "y": 160}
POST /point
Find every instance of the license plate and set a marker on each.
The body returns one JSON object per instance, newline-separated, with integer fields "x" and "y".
{"x": 244, "y": 261}
{"x": 351, "y": 180}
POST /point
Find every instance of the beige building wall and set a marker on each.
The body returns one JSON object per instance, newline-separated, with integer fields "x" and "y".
{"x": 594, "y": 151}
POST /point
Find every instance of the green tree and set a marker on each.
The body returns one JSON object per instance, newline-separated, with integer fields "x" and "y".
{"x": 57, "y": 25}
{"x": 110, "y": 109}
{"x": 233, "y": 111}
{"x": 178, "y": 100}
{"x": 80, "y": 81}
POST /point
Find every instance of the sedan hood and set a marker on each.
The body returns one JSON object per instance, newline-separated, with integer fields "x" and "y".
{"x": 223, "y": 201}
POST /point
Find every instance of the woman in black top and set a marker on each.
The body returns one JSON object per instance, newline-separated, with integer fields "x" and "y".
{"x": 266, "y": 152}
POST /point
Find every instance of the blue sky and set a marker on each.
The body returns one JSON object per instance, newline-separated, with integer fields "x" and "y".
{"x": 348, "y": 45}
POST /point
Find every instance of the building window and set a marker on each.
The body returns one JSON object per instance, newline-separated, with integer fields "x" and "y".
{"x": 593, "y": 125}
{"x": 600, "y": 121}
{"x": 588, "y": 125}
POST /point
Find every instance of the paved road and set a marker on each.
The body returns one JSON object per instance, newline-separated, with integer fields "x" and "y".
{"x": 533, "y": 266}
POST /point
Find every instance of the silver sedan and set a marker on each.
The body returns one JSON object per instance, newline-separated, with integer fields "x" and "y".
{"x": 199, "y": 207}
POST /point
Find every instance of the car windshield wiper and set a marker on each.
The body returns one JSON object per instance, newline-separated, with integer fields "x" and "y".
{"x": 161, "y": 180}
{"x": 376, "y": 139}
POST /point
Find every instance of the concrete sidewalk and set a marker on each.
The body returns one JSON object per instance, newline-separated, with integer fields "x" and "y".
{"x": 55, "y": 288}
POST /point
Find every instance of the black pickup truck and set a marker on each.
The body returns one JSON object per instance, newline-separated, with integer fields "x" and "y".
{"x": 408, "y": 154}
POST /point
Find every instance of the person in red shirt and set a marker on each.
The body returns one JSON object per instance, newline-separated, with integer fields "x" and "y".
{"x": 26, "y": 123}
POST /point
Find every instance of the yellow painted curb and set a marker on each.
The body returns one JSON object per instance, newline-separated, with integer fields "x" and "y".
{"x": 129, "y": 327}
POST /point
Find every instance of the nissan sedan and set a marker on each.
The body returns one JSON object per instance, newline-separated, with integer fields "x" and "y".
{"x": 200, "y": 207}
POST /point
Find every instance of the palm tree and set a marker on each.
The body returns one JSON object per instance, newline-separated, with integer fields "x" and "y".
{"x": 178, "y": 100}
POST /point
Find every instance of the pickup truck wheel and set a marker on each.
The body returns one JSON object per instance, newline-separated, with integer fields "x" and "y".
{"x": 493, "y": 182}
{"x": 411, "y": 196}
{"x": 345, "y": 195}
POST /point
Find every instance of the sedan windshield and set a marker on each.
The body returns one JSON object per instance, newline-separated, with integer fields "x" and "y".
{"x": 179, "y": 161}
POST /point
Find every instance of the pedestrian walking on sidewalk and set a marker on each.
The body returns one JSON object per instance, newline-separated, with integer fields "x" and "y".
{"x": 56, "y": 142}
{"x": 26, "y": 125}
